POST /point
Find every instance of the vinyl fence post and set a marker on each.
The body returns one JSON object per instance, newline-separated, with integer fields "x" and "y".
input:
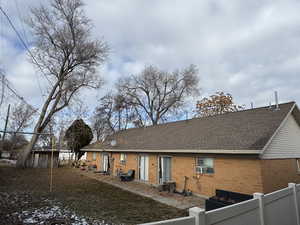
{"x": 199, "y": 215}
{"x": 259, "y": 196}
{"x": 293, "y": 186}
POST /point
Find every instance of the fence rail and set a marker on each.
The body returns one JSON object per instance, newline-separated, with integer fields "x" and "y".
{"x": 277, "y": 208}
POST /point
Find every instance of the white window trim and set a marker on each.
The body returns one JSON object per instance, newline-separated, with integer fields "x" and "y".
{"x": 125, "y": 157}
{"x": 94, "y": 156}
{"x": 298, "y": 165}
{"x": 201, "y": 169}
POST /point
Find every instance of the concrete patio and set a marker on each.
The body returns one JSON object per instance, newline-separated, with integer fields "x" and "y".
{"x": 171, "y": 199}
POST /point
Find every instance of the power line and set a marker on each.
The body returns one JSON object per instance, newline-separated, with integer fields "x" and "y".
{"x": 21, "y": 25}
{"x": 2, "y": 91}
{"x": 4, "y": 81}
{"x": 7, "y": 84}
{"x": 20, "y": 16}
{"x": 24, "y": 44}
{"x": 21, "y": 132}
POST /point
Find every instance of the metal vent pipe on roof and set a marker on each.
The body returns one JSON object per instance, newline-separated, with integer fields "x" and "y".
{"x": 276, "y": 101}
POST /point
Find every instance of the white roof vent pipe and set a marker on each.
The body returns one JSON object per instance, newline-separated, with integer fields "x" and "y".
{"x": 276, "y": 101}
{"x": 113, "y": 143}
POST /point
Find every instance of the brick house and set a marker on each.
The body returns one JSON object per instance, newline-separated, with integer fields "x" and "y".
{"x": 249, "y": 151}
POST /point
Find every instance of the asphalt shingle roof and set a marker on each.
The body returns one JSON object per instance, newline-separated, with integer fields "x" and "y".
{"x": 243, "y": 130}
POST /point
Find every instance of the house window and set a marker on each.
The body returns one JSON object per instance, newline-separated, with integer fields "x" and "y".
{"x": 298, "y": 165}
{"x": 94, "y": 156}
{"x": 123, "y": 158}
{"x": 204, "y": 165}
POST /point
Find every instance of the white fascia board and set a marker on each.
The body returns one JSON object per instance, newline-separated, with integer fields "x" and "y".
{"x": 291, "y": 156}
{"x": 213, "y": 151}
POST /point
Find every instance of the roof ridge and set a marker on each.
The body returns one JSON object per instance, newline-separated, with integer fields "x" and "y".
{"x": 246, "y": 129}
{"x": 200, "y": 118}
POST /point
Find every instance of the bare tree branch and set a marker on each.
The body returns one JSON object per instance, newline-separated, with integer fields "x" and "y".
{"x": 159, "y": 94}
{"x": 63, "y": 48}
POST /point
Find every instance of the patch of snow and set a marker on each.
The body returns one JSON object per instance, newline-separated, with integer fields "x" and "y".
{"x": 30, "y": 220}
{"x": 55, "y": 212}
{"x": 9, "y": 161}
{"x": 50, "y": 212}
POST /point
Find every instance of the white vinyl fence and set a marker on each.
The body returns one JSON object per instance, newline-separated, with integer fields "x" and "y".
{"x": 277, "y": 208}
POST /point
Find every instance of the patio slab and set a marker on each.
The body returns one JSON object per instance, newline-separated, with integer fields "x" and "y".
{"x": 146, "y": 190}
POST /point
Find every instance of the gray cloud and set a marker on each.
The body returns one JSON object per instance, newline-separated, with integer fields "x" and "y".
{"x": 247, "y": 48}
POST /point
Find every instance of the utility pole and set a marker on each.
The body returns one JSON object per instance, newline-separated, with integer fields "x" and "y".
{"x": 5, "y": 127}
{"x": 3, "y": 86}
{"x": 51, "y": 166}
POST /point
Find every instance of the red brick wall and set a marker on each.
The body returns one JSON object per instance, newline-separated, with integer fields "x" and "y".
{"x": 130, "y": 163}
{"x": 277, "y": 173}
{"x": 238, "y": 174}
{"x": 91, "y": 161}
{"x": 233, "y": 173}
{"x": 132, "y": 160}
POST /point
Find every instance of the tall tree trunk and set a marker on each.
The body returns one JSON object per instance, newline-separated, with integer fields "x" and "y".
{"x": 39, "y": 127}
{"x": 119, "y": 118}
{"x": 22, "y": 157}
{"x": 21, "y": 162}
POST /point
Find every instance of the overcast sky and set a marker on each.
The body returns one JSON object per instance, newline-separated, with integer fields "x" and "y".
{"x": 249, "y": 48}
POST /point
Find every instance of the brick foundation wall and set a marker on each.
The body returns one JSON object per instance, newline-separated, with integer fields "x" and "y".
{"x": 277, "y": 173}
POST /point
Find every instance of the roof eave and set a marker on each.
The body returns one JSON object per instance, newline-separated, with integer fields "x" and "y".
{"x": 199, "y": 151}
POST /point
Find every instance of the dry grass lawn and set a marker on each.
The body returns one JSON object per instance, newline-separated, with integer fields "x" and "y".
{"x": 97, "y": 202}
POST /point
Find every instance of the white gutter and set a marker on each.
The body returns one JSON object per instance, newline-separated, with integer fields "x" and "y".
{"x": 214, "y": 151}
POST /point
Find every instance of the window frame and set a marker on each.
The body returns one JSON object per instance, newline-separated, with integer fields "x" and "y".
{"x": 94, "y": 156}
{"x": 298, "y": 165}
{"x": 125, "y": 158}
{"x": 202, "y": 169}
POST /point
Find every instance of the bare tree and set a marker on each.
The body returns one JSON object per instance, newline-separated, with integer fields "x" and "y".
{"x": 45, "y": 140}
{"x": 102, "y": 123}
{"x": 21, "y": 117}
{"x": 64, "y": 50}
{"x": 77, "y": 109}
{"x": 112, "y": 114}
{"x": 156, "y": 94}
{"x": 15, "y": 142}
{"x": 216, "y": 104}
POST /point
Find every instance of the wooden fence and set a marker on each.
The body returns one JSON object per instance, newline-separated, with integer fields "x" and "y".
{"x": 277, "y": 208}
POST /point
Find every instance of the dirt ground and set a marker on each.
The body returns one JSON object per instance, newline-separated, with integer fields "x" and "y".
{"x": 76, "y": 199}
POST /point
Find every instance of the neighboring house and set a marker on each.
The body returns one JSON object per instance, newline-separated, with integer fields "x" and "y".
{"x": 5, "y": 154}
{"x": 255, "y": 150}
{"x": 42, "y": 159}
